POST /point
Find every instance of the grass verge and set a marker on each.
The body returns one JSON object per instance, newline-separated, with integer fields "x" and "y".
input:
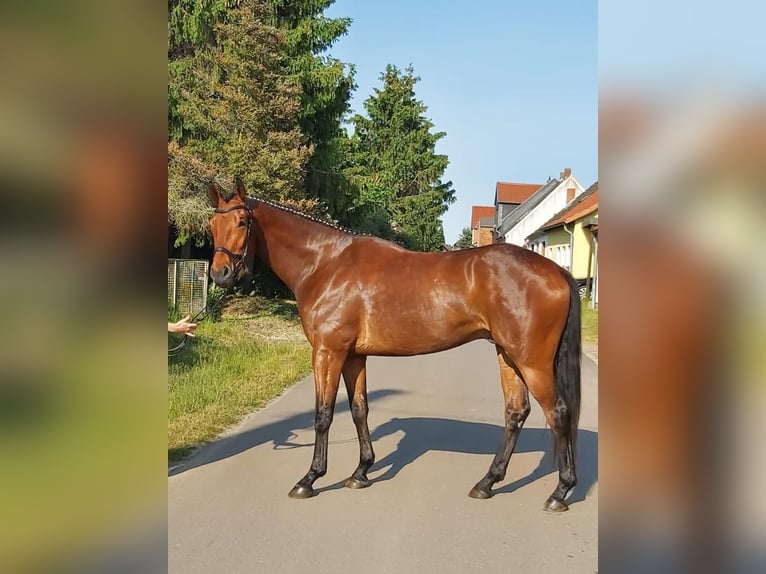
{"x": 589, "y": 322}
{"x": 227, "y": 370}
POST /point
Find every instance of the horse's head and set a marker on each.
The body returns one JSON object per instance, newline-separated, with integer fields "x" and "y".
{"x": 231, "y": 226}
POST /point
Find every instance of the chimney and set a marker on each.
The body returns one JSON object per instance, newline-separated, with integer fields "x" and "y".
{"x": 566, "y": 173}
{"x": 570, "y": 194}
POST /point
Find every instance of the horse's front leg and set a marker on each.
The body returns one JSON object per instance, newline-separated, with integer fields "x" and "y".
{"x": 327, "y": 369}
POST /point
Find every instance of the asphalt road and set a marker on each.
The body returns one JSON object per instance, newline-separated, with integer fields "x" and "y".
{"x": 436, "y": 423}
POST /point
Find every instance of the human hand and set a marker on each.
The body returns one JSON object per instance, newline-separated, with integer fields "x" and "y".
{"x": 183, "y": 326}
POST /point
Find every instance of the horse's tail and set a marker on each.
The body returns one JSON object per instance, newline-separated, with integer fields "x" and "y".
{"x": 567, "y": 364}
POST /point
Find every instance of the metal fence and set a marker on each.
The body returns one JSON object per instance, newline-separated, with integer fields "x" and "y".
{"x": 187, "y": 285}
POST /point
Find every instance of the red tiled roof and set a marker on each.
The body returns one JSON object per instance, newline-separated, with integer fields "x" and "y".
{"x": 506, "y": 192}
{"x": 585, "y": 203}
{"x": 479, "y": 211}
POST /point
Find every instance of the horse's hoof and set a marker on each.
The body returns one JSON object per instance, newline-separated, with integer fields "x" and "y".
{"x": 300, "y": 491}
{"x": 480, "y": 493}
{"x": 553, "y": 505}
{"x": 353, "y": 482}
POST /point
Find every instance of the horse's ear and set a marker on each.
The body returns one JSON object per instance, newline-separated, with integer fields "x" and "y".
{"x": 239, "y": 189}
{"x": 214, "y": 193}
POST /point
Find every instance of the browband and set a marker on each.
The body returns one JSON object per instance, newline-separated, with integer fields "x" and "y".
{"x": 232, "y": 208}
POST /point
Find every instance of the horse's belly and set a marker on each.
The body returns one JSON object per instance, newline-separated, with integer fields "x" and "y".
{"x": 417, "y": 338}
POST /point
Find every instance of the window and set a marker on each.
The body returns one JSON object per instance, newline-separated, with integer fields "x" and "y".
{"x": 558, "y": 253}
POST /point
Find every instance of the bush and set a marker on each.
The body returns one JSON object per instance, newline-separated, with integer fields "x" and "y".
{"x": 215, "y": 301}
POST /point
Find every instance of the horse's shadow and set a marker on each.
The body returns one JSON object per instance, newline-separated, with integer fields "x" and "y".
{"x": 280, "y": 433}
{"x": 422, "y": 434}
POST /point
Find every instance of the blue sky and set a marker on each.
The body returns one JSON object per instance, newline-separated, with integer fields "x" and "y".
{"x": 513, "y": 84}
{"x": 694, "y": 45}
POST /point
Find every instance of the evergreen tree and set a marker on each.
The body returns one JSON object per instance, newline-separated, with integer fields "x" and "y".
{"x": 393, "y": 162}
{"x": 231, "y": 103}
{"x": 465, "y": 240}
{"x": 326, "y": 84}
{"x": 191, "y": 27}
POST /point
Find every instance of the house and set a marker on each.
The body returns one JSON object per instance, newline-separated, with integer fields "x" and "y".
{"x": 509, "y": 196}
{"x": 482, "y": 225}
{"x": 538, "y": 208}
{"x": 570, "y": 238}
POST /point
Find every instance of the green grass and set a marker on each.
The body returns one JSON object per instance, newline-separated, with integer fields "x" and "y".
{"x": 589, "y": 322}
{"x": 225, "y": 372}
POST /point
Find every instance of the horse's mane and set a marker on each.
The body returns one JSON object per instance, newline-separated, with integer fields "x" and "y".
{"x": 292, "y": 211}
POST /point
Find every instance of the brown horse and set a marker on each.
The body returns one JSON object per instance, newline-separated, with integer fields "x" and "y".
{"x": 360, "y": 296}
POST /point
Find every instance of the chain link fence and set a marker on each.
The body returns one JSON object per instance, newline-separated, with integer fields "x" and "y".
{"x": 187, "y": 285}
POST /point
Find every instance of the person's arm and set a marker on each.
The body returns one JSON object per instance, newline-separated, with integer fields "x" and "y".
{"x": 183, "y": 326}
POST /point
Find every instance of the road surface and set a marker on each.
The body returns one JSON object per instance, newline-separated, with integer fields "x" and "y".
{"x": 436, "y": 423}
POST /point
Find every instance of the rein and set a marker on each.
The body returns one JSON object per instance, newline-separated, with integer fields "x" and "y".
{"x": 173, "y": 351}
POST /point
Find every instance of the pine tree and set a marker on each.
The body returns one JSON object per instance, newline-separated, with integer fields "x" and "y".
{"x": 395, "y": 165}
{"x": 191, "y": 27}
{"x": 326, "y": 84}
{"x": 465, "y": 240}
{"x": 232, "y": 105}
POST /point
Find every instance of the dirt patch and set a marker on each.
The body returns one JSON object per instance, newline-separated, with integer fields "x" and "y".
{"x": 274, "y": 329}
{"x": 265, "y": 319}
{"x": 236, "y": 306}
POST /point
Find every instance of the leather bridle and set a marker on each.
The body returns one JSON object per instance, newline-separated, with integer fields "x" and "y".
{"x": 238, "y": 259}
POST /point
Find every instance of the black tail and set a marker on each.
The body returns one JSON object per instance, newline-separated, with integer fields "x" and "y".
{"x": 567, "y": 364}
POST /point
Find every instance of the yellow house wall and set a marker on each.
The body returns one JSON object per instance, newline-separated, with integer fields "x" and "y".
{"x": 583, "y": 246}
{"x": 583, "y": 249}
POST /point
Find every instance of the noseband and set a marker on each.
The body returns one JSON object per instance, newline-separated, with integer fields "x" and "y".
{"x": 237, "y": 259}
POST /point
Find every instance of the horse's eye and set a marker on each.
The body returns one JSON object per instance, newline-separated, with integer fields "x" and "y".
{"x": 242, "y": 222}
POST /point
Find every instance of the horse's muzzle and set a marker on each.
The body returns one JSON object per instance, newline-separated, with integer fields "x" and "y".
{"x": 223, "y": 277}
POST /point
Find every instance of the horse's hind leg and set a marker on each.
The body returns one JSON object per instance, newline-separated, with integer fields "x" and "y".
{"x": 516, "y": 412}
{"x": 542, "y": 385}
{"x": 355, "y": 376}
{"x": 327, "y": 368}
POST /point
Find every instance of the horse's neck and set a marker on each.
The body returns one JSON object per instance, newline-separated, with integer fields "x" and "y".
{"x": 294, "y": 246}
